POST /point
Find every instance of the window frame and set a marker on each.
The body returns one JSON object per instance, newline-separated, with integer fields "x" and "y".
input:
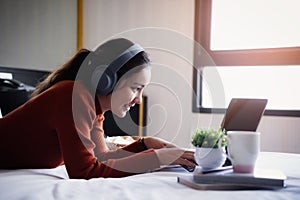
{"x": 247, "y": 57}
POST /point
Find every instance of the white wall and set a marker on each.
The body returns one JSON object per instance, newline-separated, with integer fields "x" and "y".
{"x": 37, "y": 34}
{"x": 103, "y": 18}
{"x": 170, "y": 92}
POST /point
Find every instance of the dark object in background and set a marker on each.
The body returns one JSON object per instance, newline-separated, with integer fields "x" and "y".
{"x": 26, "y": 76}
{"x": 13, "y": 93}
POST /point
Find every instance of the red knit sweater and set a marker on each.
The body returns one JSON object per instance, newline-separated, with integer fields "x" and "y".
{"x": 46, "y": 132}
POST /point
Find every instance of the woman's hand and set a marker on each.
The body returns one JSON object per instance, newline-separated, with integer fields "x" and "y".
{"x": 175, "y": 156}
{"x": 157, "y": 143}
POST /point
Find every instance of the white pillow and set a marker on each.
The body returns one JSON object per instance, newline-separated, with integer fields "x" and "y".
{"x": 0, "y": 113}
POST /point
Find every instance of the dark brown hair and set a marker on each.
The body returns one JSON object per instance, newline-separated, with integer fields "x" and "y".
{"x": 69, "y": 70}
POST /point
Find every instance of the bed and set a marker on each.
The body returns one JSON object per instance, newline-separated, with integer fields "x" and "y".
{"x": 162, "y": 184}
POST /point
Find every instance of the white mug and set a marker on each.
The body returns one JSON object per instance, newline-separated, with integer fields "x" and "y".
{"x": 243, "y": 149}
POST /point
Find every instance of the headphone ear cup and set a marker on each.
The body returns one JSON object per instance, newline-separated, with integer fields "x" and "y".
{"x": 103, "y": 80}
{"x": 109, "y": 82}
{"x": 104, "y": 77}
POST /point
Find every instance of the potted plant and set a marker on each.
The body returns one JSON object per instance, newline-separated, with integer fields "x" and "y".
{"x": 210, "y": 147}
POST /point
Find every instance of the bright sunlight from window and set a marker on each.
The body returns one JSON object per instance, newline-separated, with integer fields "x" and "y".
{"x": 279, "y": 86}
{"x": 252, "y": 24}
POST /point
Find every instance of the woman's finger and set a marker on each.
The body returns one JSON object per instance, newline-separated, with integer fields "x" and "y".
{"x": 182, "y": 161}
{"x": 188, "y": 155}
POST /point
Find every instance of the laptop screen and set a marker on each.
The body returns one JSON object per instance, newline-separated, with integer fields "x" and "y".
{"x": 243, "y": 114}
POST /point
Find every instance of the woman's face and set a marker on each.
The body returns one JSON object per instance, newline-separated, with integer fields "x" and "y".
{"x": 128, "y": 91}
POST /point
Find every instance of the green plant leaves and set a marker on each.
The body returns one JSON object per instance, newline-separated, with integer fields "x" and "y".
{"x": 208, "y": 138}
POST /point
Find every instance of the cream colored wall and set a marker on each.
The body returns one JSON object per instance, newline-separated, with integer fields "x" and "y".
{"x": 37, "y": 34}
{"x": 105, "y": 18}
{"x": 170, "y": 93}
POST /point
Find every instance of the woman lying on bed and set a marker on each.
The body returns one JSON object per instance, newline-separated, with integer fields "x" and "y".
{"x": 62, "y": 122}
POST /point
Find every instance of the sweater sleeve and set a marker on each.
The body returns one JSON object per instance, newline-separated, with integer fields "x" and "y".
{"x": 74, "y": 125}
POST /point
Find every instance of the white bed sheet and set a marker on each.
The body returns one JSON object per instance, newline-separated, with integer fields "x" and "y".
{"x": 54, "y": 184}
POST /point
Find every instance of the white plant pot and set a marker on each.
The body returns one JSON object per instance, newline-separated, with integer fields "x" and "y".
{"x": 209, "y": 158}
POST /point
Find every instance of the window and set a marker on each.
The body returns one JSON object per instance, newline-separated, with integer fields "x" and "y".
{"x": 254, "y": 24}
{"x": 257, "y": 42}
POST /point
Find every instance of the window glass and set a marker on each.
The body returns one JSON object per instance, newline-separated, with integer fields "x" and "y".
{"x": 252, "y": 24}
{"x": 279, "y": 84}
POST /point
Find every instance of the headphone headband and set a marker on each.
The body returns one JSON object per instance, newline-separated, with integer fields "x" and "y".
{"x": 129, "y": 53}
{"x": 108, "y": 74}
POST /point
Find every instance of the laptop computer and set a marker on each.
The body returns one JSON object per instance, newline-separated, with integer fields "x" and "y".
{"x": 243, "y": 114}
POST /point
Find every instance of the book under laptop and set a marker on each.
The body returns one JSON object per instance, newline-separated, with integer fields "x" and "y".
{"x": 228, "y": 180}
